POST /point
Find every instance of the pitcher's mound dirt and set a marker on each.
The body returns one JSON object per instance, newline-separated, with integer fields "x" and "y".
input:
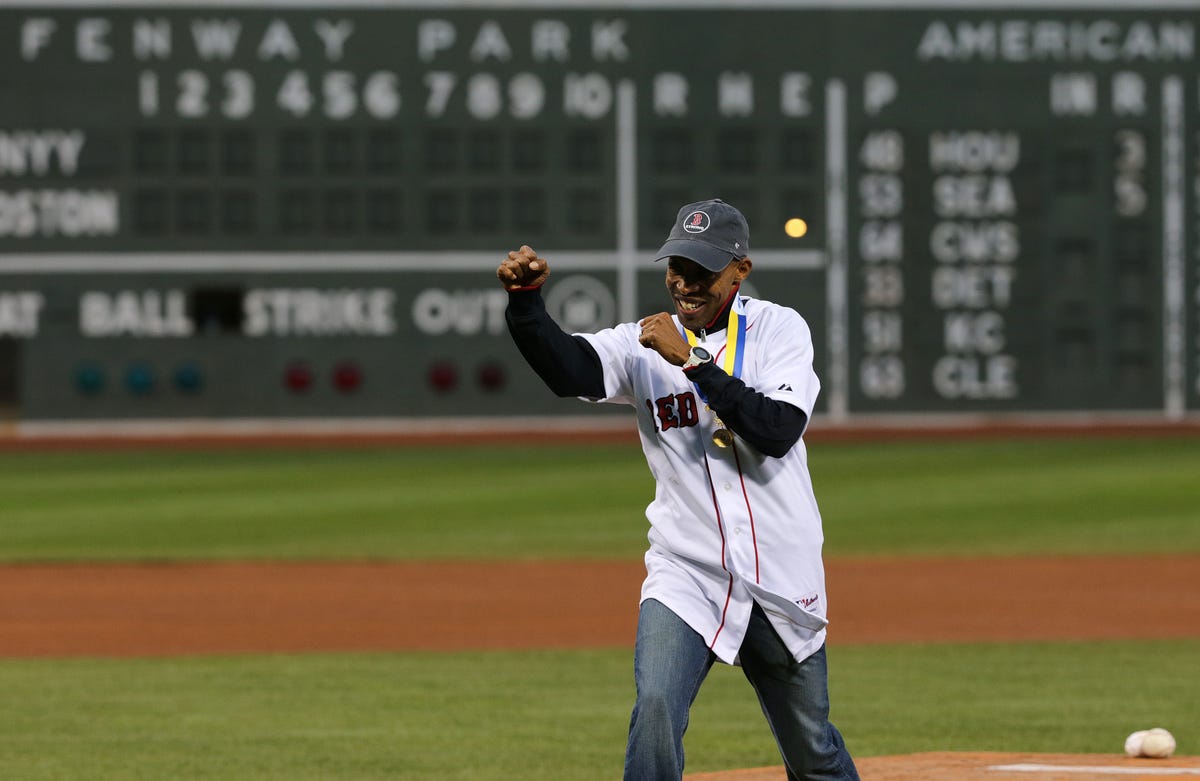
{"x": 956, "y": 766}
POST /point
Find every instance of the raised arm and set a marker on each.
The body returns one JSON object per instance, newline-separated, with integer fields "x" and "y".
{"x": 567, "y": 364}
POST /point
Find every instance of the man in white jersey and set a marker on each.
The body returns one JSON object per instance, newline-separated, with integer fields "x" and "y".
{"x": 723, "y": 390}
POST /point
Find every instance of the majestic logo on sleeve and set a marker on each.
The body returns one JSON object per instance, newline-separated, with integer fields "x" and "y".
{"x": 696, "y": 222}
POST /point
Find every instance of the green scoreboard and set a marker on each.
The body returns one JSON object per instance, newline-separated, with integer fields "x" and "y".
{"x": 282, "y": 210}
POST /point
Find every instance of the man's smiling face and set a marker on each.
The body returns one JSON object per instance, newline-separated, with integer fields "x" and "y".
{"x": 700, "y": 294}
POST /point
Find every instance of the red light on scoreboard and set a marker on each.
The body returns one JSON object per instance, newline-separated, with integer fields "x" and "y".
{"x": 347, "y": 377}
{"x": 298, "y": 377}
{"x": 443, "y": 376}
{"x": 492, "y": 376}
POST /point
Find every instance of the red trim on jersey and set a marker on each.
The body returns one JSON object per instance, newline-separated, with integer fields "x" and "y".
{"x": 721, "y": 528}
{"x": 745, "y": 495}
{"x": 724, "y": 307}
{"x": 724, "y": 610}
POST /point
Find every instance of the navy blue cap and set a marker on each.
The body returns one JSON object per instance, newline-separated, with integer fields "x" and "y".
{"x": 712, "y": 233}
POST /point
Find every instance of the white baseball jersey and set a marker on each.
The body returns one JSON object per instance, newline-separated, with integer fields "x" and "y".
{"x": 728, "y": 526}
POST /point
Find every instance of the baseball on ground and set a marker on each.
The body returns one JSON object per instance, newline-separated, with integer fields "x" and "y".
{"x": 1158, "y": 743}
{"x": 1133, "y": 743}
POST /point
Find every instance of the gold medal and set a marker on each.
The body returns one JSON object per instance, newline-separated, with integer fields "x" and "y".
{"x": 722, "y": 437}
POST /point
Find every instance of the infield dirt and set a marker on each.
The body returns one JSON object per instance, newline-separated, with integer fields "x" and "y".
{"x": 243, "y": 607}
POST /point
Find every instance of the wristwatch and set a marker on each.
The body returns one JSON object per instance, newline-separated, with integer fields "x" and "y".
{"x": 696, "y": 357}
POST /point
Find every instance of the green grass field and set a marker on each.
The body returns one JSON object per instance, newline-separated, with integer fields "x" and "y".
{"x": 555, "y": 715}
{"x": 562, "y": 715}
{"x": 993, "y": 497}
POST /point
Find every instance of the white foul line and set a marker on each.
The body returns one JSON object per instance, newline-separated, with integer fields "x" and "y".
{"x": 1110, "y": 770}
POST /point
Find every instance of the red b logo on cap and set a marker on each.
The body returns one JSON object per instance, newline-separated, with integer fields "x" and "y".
{"x": 696, "y": 222}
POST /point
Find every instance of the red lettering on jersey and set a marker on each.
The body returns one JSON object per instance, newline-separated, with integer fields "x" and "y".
{"x": 666, "y": 412}
{"x": 685, "y": 405}
{"x": 675, "y": 410}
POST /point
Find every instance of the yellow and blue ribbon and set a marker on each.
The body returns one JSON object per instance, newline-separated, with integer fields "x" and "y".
{"x": 735, "y": 342}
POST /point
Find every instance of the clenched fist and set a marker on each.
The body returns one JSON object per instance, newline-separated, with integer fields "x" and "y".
{"x": 523, "y": 268}
{"x": 660, "y": 334}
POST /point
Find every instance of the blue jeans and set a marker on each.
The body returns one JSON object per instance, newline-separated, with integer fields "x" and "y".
{"x": 671, "y": 661}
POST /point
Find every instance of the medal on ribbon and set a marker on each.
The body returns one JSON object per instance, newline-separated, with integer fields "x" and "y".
{"x": 722, "y": 437}
{"x": 735, "y": 344}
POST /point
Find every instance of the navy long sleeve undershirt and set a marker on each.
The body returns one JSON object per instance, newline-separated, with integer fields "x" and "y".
{"x": 567, "y": 364}
{"x": 570, "y": 367}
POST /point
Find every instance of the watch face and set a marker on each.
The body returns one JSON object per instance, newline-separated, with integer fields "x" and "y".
{"x": 701, "y": 353}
